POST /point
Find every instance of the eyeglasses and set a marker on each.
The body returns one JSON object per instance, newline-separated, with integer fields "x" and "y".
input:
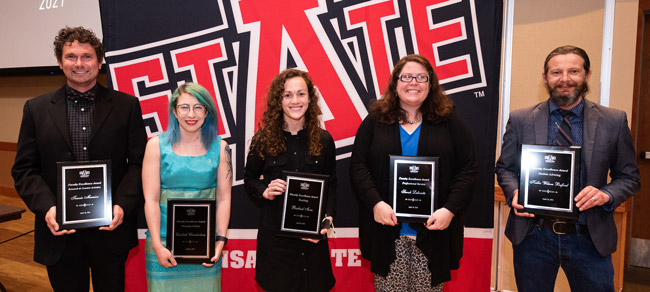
{"x": 185, "y": 108}
{"x": 409, "y": 78}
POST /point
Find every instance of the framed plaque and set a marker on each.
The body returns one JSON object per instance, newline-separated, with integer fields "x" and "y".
{"x": 413, "y": 184}
{"x": 191, "y": 225}
{"x": 302, "y": 206}
{"x": 84, "y": 198}
{"x": 549, "y": 180}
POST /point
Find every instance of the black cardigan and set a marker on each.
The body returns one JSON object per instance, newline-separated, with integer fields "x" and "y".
{"x": 450, "y": 140}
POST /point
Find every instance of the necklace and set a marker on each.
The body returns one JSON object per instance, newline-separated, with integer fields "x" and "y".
{"x": 411, "y": 122}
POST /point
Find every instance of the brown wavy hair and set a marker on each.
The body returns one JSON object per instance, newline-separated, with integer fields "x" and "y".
{"x": 436, "y": 107}
{"x": 80, "y": 34}
{"x": 269, "y": 138}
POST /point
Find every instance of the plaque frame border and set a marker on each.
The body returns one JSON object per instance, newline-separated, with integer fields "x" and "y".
{"x": 407, "y": 217}
{"x": 564, "y": 213}
{"x": 212, "y": 232}
{"x": 323, "y": 179}
{"x": 61, "y": 193}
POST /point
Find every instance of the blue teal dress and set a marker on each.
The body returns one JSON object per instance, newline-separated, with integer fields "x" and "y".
{"x": 191, "y": 177}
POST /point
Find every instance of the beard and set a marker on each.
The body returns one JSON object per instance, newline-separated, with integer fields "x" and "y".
{"x": 567, "y": 99}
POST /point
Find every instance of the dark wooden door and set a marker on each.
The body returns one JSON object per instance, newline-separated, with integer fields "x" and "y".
{"x": 639, "y": 252}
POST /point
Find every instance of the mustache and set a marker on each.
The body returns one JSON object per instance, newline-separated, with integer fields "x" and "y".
{"x": 567, "y": 83}
{"x": 580, "y": 89}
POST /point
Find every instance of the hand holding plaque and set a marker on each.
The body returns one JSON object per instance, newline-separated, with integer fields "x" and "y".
{"x": 191, "y": 225}
{"x": 302, "y": 209}
{"x": 413, "y": 181}
{"x": 549, "y": 180}
{"x": 84, "y": 198}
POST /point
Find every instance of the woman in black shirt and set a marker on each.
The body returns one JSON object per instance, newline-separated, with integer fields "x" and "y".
{"x": 290, "y": 138}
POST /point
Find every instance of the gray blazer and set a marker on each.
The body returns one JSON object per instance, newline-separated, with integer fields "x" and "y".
{"x": 608, "y": 147}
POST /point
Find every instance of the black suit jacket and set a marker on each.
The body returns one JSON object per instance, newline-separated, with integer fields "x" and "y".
{"x": 118, "y": 134}
{"x": 607, "y": 148}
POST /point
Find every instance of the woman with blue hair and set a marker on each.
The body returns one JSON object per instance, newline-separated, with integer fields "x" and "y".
{"x": 188, "y": 161}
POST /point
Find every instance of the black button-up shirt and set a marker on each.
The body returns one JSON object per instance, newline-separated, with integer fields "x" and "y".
{"x": 80, "y": 120}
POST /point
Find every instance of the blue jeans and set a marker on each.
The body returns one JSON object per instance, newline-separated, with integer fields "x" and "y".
{"x": 542, "y": 252}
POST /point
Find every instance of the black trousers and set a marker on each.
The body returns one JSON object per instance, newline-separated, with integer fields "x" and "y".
{"x": 86, "y": 251}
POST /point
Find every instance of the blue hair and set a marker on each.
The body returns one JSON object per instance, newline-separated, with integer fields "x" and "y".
{"x": 210, "y": 126}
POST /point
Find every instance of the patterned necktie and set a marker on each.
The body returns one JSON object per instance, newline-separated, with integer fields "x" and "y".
{"x": 564, "y": 137}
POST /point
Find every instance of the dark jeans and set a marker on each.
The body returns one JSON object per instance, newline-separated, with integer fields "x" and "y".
{"x": 538, "y": 257}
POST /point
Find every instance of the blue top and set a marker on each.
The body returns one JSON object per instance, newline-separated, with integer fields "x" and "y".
{"x": 186, "y": 177}
{"x": 409, "y": 148}
{"x": 188, "y": 172}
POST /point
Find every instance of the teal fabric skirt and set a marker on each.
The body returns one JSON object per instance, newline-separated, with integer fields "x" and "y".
{"x": 191, "y": 278}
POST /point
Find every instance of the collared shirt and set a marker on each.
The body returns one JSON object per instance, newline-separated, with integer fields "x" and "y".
{"x": 577, "y": 122}
{"x": 80, "y": 119}
{"x": 555, "y": 119}
{"x": 577, "y": 130}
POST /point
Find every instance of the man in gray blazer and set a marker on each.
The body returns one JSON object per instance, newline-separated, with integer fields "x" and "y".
{"x": 81, "y": 121}
{"x": 582, "y": 247}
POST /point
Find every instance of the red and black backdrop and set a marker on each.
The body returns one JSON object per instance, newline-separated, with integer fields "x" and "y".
{"x": 234, "y": 48}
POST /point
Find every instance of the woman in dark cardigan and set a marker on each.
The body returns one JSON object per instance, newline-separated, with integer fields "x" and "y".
{"x": 413, "y": 118}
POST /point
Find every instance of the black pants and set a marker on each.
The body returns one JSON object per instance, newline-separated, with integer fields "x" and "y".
{"x": 87, "y": 250}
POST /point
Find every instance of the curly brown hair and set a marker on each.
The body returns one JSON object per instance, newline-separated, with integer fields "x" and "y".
{"x": 436, "y": 107}
{"x": 80, "y": 34}
{"x": 269, "y": 138}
